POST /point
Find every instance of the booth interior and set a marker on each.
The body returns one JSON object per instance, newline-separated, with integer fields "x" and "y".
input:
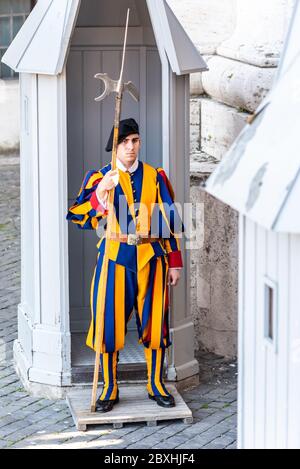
{"x": 96, "y": 46}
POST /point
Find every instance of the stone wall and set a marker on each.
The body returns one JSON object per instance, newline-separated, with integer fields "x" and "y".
{"x": 9, "y": 116}
{"x": 214, "y": 276}
{"x": 241, "y": 42}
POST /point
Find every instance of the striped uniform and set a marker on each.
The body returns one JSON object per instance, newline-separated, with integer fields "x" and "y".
{"x": 137, "y": 274}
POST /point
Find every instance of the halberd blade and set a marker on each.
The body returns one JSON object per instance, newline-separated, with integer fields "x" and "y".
{"x": 129, "y": 86}
{"x": 109, "y": 85}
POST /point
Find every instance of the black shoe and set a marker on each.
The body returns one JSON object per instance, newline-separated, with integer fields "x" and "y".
{"x": 163, "y": 401}
{"x": 106, "y": 406}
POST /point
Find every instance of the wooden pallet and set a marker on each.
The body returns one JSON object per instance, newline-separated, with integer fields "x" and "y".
{"x": 133, "y": 406}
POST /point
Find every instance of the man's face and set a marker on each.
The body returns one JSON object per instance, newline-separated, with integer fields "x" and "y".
{"x": 127, "y": 151}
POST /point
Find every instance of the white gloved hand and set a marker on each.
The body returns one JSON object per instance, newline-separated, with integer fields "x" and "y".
{"x": 116, "y": 178}
{"x": 110, "y": 180}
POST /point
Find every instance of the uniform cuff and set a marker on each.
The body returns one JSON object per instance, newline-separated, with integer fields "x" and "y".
{"x": 96, "y": 204}
{"x": 175, "y": 259}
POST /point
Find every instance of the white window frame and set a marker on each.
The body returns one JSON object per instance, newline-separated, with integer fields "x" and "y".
{"x": 268, "y": 283}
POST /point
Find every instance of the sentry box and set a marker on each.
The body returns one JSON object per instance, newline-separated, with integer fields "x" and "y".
{"x": 57, "y": 52}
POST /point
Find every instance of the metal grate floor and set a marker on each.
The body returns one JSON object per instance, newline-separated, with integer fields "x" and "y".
{"x": 82, "y": 355}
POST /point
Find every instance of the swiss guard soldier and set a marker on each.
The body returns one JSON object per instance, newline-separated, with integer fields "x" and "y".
{"x": 144, "y": 257}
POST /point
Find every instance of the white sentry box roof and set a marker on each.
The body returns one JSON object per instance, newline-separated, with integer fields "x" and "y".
{"x": 260, "y": 175}
{"x": 42, "y": 43}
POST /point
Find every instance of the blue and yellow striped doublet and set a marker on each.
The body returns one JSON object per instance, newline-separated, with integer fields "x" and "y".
{"x": 137, "y": 274}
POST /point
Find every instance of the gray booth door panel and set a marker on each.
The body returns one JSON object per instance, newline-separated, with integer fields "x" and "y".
{"x": 89, "y": 125}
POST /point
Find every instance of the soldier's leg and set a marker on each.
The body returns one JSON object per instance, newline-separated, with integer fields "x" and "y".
{"x": 122, "y": 306}
{"x": 155, "y": 364}
{"x": 153, "y": 325}
{"x": 109, "y": 370}
{"x": 131, "y": 295}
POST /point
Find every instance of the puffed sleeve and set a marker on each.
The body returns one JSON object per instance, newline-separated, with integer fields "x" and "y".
{"x": 87, "y": 210}
{"x": 172, "y": 220}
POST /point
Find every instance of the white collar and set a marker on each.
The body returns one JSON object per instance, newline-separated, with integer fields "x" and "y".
{"x": 132, "y": 168}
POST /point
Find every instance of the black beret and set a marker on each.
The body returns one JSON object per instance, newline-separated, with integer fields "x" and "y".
{"x": 126, "y": 127}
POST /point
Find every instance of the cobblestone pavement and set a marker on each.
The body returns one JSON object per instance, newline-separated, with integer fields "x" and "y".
{"x": 30, "y": 422}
